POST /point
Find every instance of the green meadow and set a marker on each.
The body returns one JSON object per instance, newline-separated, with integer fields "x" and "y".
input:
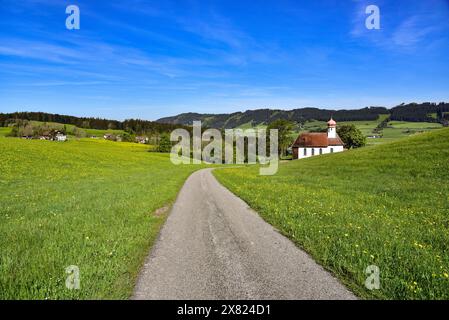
{"x": 89, "y": 203}
{"x": 385, "y": 205}
{"x": 69, "y": 129}
{"x": 394, "y": 131}
{"x": 365, "y": 126}
{"x": 4, "y": 131}
{"x": 94, "y": 204}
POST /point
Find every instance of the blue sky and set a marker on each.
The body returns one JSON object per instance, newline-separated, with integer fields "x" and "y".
{"x": 149, "y": 59}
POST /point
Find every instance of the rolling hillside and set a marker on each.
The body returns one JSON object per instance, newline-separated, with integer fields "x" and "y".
{"x": 130, "y": 125}
{"x": 90, "y": 203}
{"x": 266, "y": 116}
{"x": 413, "y": 112}
{"x": 385, "y": 205}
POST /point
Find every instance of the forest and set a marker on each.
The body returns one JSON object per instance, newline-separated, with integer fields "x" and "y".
{"x": 414, "y": 112}
{"x": 136, "y": 126}
{"x": 421, "y": 112}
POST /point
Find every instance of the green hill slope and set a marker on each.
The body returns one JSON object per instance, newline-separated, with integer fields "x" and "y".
{"x": 384, "y": 205}
{"x": 265, "y": 116}
{"x": 85, "y": 202}
{"x": 414, "y": 112}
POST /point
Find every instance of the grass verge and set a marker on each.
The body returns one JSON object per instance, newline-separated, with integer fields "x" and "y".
{"x": 386, "y": 205}
{"x": 88, "y": 203}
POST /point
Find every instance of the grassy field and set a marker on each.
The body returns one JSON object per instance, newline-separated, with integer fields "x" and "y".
{"x": 386, "y": 205}
{"x": 4, "y": 131}
{"x": 394, "y": 131}
{"x": 68, "y": 127}
{"x": 88, "y": 203}
{"x": 101, "y": 133}
{"x": 365, "y": 126}
{"x": 414, "y": 125}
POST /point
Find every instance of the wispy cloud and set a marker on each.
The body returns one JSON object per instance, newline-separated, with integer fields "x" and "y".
{"x": 64, "y": 83}
{"x": 38, "y": 50}
{"x": 229, "y": 55}
{"x": 412, "y": 31}
{"x": 402, "y": 29}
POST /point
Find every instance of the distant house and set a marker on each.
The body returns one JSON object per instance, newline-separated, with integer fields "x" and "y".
{"x": 142, "y": 140}
{"x": 311, "y": 144}
{"x": 109, "y": 136}
{"x": 59, "y": 136}
{"x": 46, "y": 135}
{"x": 53, "y": 135}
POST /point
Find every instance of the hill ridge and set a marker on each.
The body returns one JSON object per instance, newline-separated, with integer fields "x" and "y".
{"x": 423, "y": 112}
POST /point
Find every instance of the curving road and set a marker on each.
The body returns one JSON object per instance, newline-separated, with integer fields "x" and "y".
{"x": 213, "y": 246}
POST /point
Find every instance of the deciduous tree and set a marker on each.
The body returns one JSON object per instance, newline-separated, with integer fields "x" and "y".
{"x": 352, "y": 137}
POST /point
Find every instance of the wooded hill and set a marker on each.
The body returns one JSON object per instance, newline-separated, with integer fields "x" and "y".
{"x": 130, "y": 125}
{"x": 425, "y": 112}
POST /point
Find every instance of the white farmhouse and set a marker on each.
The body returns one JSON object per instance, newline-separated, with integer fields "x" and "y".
{"x": 60, "y": 136}
{"x": 315, "y": 143}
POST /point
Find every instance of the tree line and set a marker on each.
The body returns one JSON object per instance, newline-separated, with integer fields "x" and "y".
{"x": 421, "y": 112}
{"x": 267, "y": 116}
{"x": 135, "y": 126}
{"x": 415, "y": 112}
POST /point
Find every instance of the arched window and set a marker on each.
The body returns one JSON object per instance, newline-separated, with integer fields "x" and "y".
{"x": 305, "y": 151}
{"x": 321, "y": 151}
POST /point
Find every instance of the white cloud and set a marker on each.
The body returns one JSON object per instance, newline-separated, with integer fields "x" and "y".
{"x": 412, "y": 31}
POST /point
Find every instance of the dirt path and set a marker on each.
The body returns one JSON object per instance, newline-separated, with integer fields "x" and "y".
{"x": 214, "y": 247}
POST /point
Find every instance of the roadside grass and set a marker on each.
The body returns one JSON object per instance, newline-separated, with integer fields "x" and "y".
{"x": 385, "y": 205}
{"x": 84, "y": 202}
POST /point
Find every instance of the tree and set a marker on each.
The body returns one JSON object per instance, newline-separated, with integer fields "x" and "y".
{"x": 285, "y": 129}
{"x": 127, "y": 137}
{"x": 351, "y": 136}
{"x": 85, "y": 124}
{"x": 79, "y": 133}
{"x": 164, "y": 144}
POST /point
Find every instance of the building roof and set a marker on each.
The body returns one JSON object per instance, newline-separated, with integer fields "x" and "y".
{"x": 335, "y": 141}
{"x": 316, "y": 139}
{"x": 332, "y": 123}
